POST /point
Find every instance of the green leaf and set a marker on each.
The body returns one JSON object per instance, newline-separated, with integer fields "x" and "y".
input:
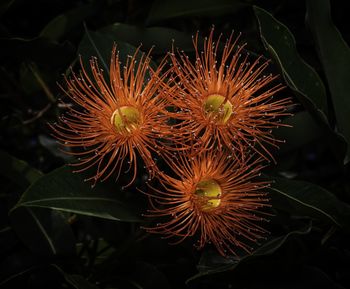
{"x": 159, "y": 37}
{"x": 167, "y": 9}
{"x": 43, "y": 231}
{"x": 100, "y": 45}
{"x": 58, "y": 27}
{"x": 300, "y": 76}
{"x": 211, "y": 262}
{"x": 334, "y": 54}
{"x": 17, "y": 170}
{"x": 304, "y": 198}
{"x": 65, "y": 191}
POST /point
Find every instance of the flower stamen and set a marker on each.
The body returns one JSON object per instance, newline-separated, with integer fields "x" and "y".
{"x": 208, "y": 194}
{"x": 126, "y": 119}
{"x": 218, "y": 107}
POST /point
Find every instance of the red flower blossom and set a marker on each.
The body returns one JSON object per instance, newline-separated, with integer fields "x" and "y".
{"x": 214, "y": 197}
{"x": 114, "y": 121}
{"x": 225, "y": 102}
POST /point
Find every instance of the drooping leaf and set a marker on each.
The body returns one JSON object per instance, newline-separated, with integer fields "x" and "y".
{"x": 65, "y": 191}
{"x": 304, "y": 198}
{"x": 166, "y": 9}
{"x": 334, "y": 54}
{"x": 64, "y": 23}
{"x": 299, "y": 75}
{"x": 159, "y": 37}
{"x": 211, "y": 262}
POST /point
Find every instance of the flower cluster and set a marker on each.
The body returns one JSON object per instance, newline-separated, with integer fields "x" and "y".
{"x": 209, "y": 118}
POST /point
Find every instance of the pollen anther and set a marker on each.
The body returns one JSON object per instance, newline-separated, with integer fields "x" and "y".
{"x": 218, "y": 107}
{"x": 126, "y": 118}
{"x": 208, "y": 194}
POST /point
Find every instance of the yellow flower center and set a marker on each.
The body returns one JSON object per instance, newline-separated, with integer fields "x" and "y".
{"x": 218, "y": 107}
{"x": 209, "y": 194}
{"x": 126, "y": 118}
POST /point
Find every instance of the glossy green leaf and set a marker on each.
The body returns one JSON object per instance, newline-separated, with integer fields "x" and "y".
{"x": 211, "y": 262}
{"x": 299, "y": 76}
{"x": 17, "y": 170}
{"x": 167, "y": 9}
{"x": 65, "y": 191}
{"x": 304, "y": 198}
{"x": 159, "y": 37}
{"x": 58, "y": 27}
{"x": 334, "y": 54}
{"x": 43, "y": 231}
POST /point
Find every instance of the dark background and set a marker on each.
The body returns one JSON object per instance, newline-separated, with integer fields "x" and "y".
{"x": 47, "y": 242}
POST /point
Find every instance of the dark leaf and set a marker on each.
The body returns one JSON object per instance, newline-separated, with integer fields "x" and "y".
{"x": 100, "y": 45}
{"x": 303, "y": 198}
{"x": 8, "y": 239}
{"x": 303, "y": 131}
{"x": 166, "y": 9}
{"x": 17, "y": 170}
{"x": 18, "y": 275}
{"x": 211, "y": 262}
{"x": 39, "y": 50}
{"x": 159, "y": 37}
{"x": 58, "y": 27}
{"x": 4, "y": 5}
{"x": 300, "y": 76}
{"x": 65, "y": 191}
{"x": 77, "y": 281}
{"x": 43, "y": 231}
{"x": 334, "y": 54}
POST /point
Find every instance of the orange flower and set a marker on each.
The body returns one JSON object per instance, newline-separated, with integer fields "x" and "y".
{"x": 225, "y": 101}
{"x": 212, "y": 197}
{"x": 112, "y": 124}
